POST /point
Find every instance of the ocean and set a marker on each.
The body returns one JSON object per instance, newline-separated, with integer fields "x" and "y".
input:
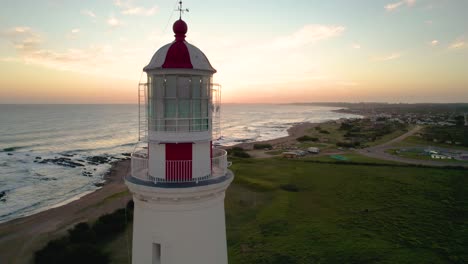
{"x": 53, "y": 154}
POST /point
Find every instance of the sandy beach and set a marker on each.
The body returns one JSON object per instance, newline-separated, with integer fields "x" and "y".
{"x": 20, "y": 238}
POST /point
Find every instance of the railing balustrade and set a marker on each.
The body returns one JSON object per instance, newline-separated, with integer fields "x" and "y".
{"x": 178, "y": 171}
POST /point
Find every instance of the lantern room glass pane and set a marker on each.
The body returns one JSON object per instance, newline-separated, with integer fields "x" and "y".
{"x": 170, "y": 87}
{"x": 196, "y": 115}
{"x": 183, "y": 87}
{"x": 204, "y": 108}
{"x": 150, "y": 102}
{"x": 170, "y": 108}
{"x": 196, "y": 86}
{"x": 205, "y": 85}
{"x": 158, "y": 87}
{"x": 184, "y": 109}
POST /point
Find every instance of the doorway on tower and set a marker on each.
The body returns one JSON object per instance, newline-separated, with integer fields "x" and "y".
{"x": 156, "y": 253}
{"x": 178, "y": 162}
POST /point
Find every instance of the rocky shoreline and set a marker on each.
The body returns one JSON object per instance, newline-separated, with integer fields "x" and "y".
{"x": 21, "y": 237}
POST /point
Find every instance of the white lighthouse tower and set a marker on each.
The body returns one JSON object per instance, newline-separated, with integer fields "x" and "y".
{"x": 178, "y": 179}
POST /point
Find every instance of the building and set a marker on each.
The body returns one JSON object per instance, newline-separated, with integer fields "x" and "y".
{"x": 178, "y": 180}
{"x": 313, "y": 150}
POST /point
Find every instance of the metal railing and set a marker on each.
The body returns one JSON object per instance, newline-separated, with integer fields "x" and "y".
{"x": 181, "y": 124}
{"x": 178, "y": 171}
{"x": 140, "y": 164}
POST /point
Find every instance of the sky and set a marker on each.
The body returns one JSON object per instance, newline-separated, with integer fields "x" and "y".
{"x": 65, "y": 51}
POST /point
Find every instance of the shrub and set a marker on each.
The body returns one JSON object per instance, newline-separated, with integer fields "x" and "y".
{"x": 289, "y": 187}
{"x": 324, "y": 132}
{"x": 307, "y": 138}
{"x": 81, "y": 233}
{"x": 262, "y": 146}
{"x": 238, "y": 152}
{"x": 347, "y": 144}
{"x": 53, "y": 252}
{"x": 110, "y": 224}
{"x": 85, "y": 253}
{"x": 80, "y": 244}
{"x": 346, "y": 126}
{"x": 130, "y": 206}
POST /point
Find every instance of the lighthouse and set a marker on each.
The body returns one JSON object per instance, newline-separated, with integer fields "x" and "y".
{"x": 178, "y": 179}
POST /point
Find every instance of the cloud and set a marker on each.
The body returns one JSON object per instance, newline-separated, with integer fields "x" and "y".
{"x": 306, "y": 35}
{"x": 434, "y": 43}
{"x": 356, "y": 46}
{"x": 457, "y": 44}
{"x": 22, "y": 38}
{"x": 113, "y": 22}
{"x": 275, "y": 60}
{"x": 389, "y": 57}
{"x": 140, "y": 11}
{"x": 88, "y": 13}
{"x": 394, "y": 6}
{"x": 73, "y": 33}
{"x": 9, "y": 59}
{"x": 127, "y": 8}
{"x": 95, "y": 59}
{"x": 283, "y": 60}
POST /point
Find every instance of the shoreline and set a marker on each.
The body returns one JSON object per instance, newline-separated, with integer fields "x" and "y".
{"x": 295, "y": 131}
{"x": 21, "y": 237}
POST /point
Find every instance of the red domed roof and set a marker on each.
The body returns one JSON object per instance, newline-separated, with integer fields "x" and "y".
{"x": 179, "y": 54}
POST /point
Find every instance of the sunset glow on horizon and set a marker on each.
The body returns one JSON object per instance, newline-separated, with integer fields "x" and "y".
{"x": 56, "y": 51}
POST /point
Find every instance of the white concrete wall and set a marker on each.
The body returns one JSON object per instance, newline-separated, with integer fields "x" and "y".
{"x": 192, "y": 232}
{"x": 201, "y": 161}
{"x": 157, "y": 160}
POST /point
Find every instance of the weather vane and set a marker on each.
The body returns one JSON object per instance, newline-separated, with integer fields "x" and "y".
{"x": 181, "y": 10}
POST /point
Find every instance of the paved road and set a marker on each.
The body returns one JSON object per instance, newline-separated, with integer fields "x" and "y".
{"x": 378, "y": 152}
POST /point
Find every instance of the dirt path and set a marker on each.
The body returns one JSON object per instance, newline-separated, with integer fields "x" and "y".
{"x": 20, "y": 238}
{"x": 378, "y": 152}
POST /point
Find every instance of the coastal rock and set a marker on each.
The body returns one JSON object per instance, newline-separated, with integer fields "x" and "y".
{"x": 99, "y": 184}
{"x": 66, "y": 162}
{"x": 87, "y": 174}
{"x": 96, "y": 160}
{"x": 48, "y": 179}
{"x": 2, "y": 196}
{"x": 9, "y": 149}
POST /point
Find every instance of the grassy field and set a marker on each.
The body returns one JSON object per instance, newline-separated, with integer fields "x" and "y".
{"x": 346, "y": 214}
{"x": 334, "y": 135}
{"x": 350, "y": 157}
{"x": 342, "y": 213}
{"x": 390, "y": 136}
